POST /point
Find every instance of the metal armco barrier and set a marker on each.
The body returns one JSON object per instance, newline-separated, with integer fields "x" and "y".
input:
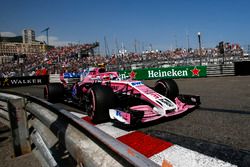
{"x": 19, "y": 126}
{"x": 37, "y": 121}
{"x": 220, "y": 70}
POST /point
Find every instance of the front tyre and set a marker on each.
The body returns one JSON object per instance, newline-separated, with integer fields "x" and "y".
{"x": 98, "y": 102}
{"x": 167, "y": 88}
{"x": 54, "y": 92}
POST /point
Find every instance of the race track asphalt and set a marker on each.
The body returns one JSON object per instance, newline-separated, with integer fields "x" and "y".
{"x": 223, "y": 116}
{"x": 221, "y": 123}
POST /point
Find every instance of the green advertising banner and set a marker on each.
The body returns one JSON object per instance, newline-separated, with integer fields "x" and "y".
{"x": 171, "y": 72}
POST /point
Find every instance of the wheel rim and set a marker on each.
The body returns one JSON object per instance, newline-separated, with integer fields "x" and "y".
{"x": 161, "y": 88}
{"x": 91, "y": 104}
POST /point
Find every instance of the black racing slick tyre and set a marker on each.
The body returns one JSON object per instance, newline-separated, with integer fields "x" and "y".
{"x": 167, "y": 88}
{"x": 98, "y": 102}
{"x": 54, "y": 92}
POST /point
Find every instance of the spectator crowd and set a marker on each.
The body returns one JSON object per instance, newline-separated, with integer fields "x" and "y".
{"x": 73, "y": 58}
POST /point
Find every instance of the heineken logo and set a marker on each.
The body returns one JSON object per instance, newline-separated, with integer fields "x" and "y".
{"x": 170, "y": 73}
{"x": 174, "y": 72}
{"x": 195, "y": 71}
{"x": 132, "y": 75}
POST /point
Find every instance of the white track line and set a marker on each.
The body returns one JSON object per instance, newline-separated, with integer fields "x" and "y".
{"x": 180, "y": 156}
{"x": 111, "y": 130}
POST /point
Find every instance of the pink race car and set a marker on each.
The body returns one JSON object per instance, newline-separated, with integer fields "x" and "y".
{"x": 104, "y": 96}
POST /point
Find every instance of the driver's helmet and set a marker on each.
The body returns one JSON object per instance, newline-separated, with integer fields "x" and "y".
{"x": 102, "y": 65}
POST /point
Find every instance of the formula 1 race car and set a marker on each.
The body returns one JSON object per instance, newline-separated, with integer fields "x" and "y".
{"x": 104, "y": 96}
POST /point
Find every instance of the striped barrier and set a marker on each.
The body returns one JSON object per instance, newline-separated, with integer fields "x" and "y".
{"x": 163, "y": 153}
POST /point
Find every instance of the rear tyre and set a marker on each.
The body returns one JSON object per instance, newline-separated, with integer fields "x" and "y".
{"x": 98, "y": 102}
{"x": 167, "y": 88}
{"x": 54, "y": 92}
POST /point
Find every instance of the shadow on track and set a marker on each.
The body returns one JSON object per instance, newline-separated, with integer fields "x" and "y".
{"x": 224, "y": 110}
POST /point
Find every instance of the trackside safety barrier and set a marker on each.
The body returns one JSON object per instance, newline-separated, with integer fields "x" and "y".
{"x": 170, "y": 72}
{"x": 53, "y": 78}
{"x": 34, "y": 121}
{"x": 220, "y": 70}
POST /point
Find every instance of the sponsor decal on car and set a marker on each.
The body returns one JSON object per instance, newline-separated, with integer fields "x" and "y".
{"x": 121, "y": 116}
{"x": 136, "y": 83}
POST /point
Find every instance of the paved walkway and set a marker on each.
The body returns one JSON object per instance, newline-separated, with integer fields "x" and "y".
{"x": 6, "y": 152}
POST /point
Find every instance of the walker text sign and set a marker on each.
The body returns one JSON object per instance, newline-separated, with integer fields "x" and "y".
{"x": 23, "y": 81}
{"x": 172, "y": 72}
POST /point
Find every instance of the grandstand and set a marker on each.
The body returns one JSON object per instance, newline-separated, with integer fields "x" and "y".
{"x": 75, "y": 57}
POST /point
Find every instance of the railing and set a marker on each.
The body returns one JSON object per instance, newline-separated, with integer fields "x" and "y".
{"x": 220, "y": 70}
{"x": 35, "y": 121}
{"x": 183, "y": 61}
